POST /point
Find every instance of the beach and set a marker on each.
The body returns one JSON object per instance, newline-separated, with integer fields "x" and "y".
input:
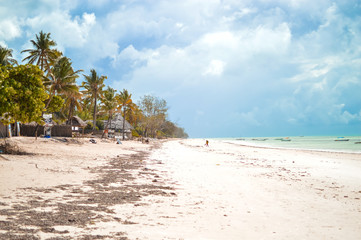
{"x": 176, "y": 189}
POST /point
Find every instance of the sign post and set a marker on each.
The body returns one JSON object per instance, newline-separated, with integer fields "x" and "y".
{"x": 48, "y": 125}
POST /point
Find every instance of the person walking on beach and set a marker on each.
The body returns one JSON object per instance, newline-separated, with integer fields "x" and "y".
{"x": 207, "y": 143}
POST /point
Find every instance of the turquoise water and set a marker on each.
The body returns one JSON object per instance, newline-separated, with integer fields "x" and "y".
{"x": 324, "y": 143}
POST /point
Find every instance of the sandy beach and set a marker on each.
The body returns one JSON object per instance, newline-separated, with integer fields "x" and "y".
{"x": 176, "y": 189}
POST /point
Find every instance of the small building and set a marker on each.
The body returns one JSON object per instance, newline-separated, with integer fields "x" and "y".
{"x": 77, "y": 124}
{"x": 116, "y": 125}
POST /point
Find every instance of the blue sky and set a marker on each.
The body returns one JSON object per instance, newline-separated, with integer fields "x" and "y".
{"x": 226, "y": 68}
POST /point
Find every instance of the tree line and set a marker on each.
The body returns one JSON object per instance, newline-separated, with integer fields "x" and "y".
{"x": 47, "y": 84}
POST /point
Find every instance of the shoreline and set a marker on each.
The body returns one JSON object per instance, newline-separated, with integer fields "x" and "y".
{"x": 255, "y": 144}
{"x": 177, "y": 189}
{"x": 321, "y": 151}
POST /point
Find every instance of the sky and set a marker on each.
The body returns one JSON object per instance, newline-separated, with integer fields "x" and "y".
{"x": 227, "y": 68}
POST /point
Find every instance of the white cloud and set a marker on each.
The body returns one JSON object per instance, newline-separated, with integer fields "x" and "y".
{"x": 135, "y": 56}
{"x": 220, "y": 39}
{"x": 207, "y": 56}
{"x": 9, "y": 29}
{"x": 347, "y": 117}
{"x": 271, "y": 40}
{"x": 316, "y": 68}
{"x": 67, "y": 31}
{"x": 215, "y": 68}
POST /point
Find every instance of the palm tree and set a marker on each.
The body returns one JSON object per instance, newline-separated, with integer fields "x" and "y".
{"x": 135, "y": 118}
{"x": 93, "y": 88}
{"x": 6, "y": 56}
{"x": 72, "y": 102}
{"x": 42, "y": 53}
{"x": 134, "y": 114}
{"x": 110, "y": 103}
{"x": 124, "y": 100}
{"x": 85, "y": 112}
{"x": 62, "y": 79}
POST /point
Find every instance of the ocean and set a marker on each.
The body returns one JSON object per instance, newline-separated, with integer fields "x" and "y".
{"x": 322, "y": 143}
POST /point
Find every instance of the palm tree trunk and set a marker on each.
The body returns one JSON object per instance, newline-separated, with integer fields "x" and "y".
{"x": 36, "y": 131}
{"x": 106, "y": 126}
{"x": 39, "y": 62}
{"x": 48, "y": 103}
{"x": 70, "y": 111}
{"x": 94, "y": 113}
{"x": 123, "y": 122}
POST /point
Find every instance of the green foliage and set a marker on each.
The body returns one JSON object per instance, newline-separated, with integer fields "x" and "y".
{"x": 180, "y": 133}
{"x": 125, "y": 103}
{"x": 72, "y": 103}
{"x": 89, "y": 125}
{"x": 23, "y": 94}
{"x": 56, "y": 104}
{"x": 6, "y": 91}
{"x": 170, "y": 129}
{"x": 64, "y": 76}
{"x": 155, "y": 112}
{"x": 153, "y": 106}
{"x": 85, "y": 112}
{"x": 6, "y": 56}
{"x": 99, "y": 125}
{"x": 93, "y": 85}
{"x": 138, "y": 131}
{"x": 42, "y": 53}
{"x": 109, "y": 101}
{"x": 135, "y": 133}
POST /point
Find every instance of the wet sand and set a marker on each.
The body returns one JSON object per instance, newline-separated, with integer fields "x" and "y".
{"x": 177, "y": 189}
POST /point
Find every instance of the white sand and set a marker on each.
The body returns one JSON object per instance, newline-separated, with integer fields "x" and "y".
{"x": 55, "y": 162}
{"x": 224, "y": 191}
{"x": 233, "y": 192}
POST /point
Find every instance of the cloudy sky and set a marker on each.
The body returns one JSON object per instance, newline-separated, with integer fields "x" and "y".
{"x": 227, "y": 68}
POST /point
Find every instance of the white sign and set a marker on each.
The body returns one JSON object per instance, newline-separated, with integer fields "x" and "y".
{"x": 48, "y": 119}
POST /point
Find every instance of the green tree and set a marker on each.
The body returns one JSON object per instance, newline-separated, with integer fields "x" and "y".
{"x": 55, "y": 105}
{"x": 42, "y": 53}
{"x": 154, "y": 114}
{"x": 135, "y": 117}
{"x": 6, "y": 56}
{"x": 62, "y": 81}
{"x": 170, "y": 129}
{"x": 125, "y": 103}
{"x": 72, "y": 103}
{"x": 93, "y": 85}
{"x": 133, "y": 114}
{"x": 109, "y": 104}
{"x": 22, "y": 94}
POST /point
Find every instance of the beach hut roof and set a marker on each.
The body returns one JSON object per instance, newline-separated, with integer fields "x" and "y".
{"x": 116, "y": 123}
{"x": 76, "y": 121}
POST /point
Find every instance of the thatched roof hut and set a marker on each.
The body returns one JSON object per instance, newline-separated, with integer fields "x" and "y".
{"x": 76, "y": 121}
{"x": 116, "y": 124}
